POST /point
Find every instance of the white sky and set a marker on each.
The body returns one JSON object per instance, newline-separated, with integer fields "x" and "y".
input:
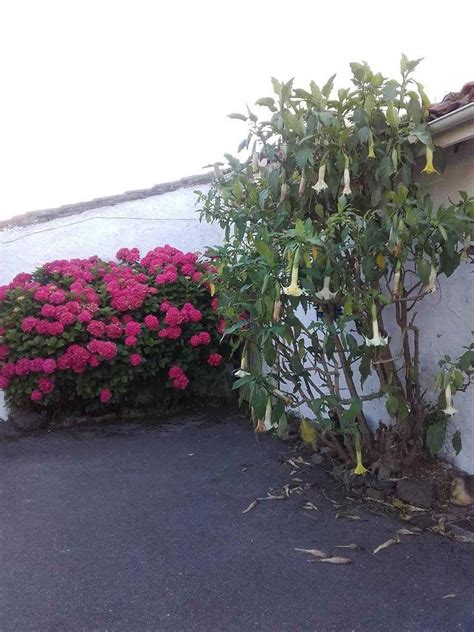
{"x": 103, "y": 96}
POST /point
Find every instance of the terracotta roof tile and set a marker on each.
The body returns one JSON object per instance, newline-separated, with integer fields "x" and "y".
{"x": 453, "y": 101}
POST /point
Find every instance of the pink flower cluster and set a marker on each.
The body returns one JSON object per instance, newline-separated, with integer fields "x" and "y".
{"x": 128, "y": 289}
{"x": 169, "y": 262}
{"x": 203, "y": 338}
{"x": 90, "y": 313}
{"x": 214, "y": 359}
{"x": 128, "y": 255}
{"x": 178, "y": 378}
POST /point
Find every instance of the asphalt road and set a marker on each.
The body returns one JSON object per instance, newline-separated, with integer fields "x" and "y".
{"x": 138, "y": 528}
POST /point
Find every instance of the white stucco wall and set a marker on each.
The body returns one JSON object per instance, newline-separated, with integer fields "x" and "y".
{"x": 169, "y": 218}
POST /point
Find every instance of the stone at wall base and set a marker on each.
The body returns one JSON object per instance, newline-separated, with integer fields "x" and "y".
{"x": 27, "y": 420}
{"x": 418, "y": 493}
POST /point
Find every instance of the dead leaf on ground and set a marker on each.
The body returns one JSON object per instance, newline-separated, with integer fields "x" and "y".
{"x": 336, "y": 560}
{"x": 450, "y": 596}
{"x": 300, "y": 460}
{"x": 464, "y": 538}
{"x": 348, "y": 516}
{"x": 386, "y": 544}
{"x": 273, "y": 497}
{"x": 354, "y": 547}
{"x": 415, "y": 531}
{"x": 314, "y": 552}
{"x": 252, "y": 505}
{"x": 327, "y": 498}
{"x": 310, "y": 507}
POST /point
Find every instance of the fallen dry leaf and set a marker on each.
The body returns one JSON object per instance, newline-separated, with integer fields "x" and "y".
{"x": 407, "y": 532}
{"x": 314, "y": 552}
{"x": 354, "y": 547}
{"x": 464, "y": 538}
{"x": 273, "y": 497}
{"x": 449, "y": 596}
{"x": 386, "y": 544}
{"x": 348, "y": 516}
{"x": 336, "y": 560}
{"x": 310, "y": 507}
{"x": 300, "y": 460}
{"x": 252, "y": 505}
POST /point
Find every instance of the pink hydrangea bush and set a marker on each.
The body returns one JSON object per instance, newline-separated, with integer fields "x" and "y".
{"x": 84, "y": 334}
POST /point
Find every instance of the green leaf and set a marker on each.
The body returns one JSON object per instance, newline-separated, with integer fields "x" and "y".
{"x": 327, "y": 88}
{"x": 392, "y": 406}
{"x": 302, "y": 156}
{"x": 435, "y": 437}
{"x": 456, "y": 442}
{"x": 424, "y": 268}
{"x": 242, "y": 381}
{"x": 264, "y": 250}
{"x": 268, "y": 102}
{"x": 236, "y": 115}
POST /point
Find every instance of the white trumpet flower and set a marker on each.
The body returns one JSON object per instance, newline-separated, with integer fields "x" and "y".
{"x": 255, "y": 162}
{"x": 431, "y": 286}
{"x": 325, "y": 294}
{"x": 268, "y": 415}
{"x": 396, "y": 281}
{"x": 347, "y": 182}
{"x": 244, "y": 365}
{"x": 276, "y": 311}
{"x": 320, "y": 184}
{"x": 449, "y": 410}
{"x": 377, "y": 340}
{"x": 347, "y": 178}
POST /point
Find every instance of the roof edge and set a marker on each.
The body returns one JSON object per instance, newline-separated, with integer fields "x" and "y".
{"x": 46, "y": 215}
{"x": 455, "y": 127}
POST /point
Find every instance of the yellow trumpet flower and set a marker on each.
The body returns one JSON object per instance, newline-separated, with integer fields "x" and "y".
{"x": 359, "y": 468}
{"x": 429, "y": 167}
{"x": 293, "y": 289}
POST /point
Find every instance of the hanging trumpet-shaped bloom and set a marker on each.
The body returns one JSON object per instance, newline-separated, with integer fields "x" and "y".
{"x": 285, "y": 397}
{"x": 449, "y": 410}
{"x": 359, "y": 469}
{"x": 347, "y": 179}
{"x": 293, "y": 289}
{"x": 429, "y": 167}
{"x": 377, "y": 340}
{"x": 320, "y": 184}
{"x": 244, "y": 364}
{"x": 431, "y": 286}
{"x": 302, "y": 184}
{"x": 276, "y": 311}
{"x": 371, "y": 153}
{"x": 255, "y": 161}
{"x": 284, "y": 192}
{"x": 325, "y": 294}
{"x": 396, "y": 290}
{"x": 465, "y": 248}
{"x": 268, "y": 415}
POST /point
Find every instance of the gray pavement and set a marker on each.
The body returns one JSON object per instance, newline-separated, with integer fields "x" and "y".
{"x": 133, "y": 527}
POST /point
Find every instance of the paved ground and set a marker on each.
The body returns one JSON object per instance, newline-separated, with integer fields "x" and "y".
{"x": 137, "y": 528}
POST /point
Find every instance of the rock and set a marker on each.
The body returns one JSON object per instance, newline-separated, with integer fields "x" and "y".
{"x": 418, "y": 493}
{"x": 27, "y": 420}
{"x": 374, "y": 494}
{"x": 7, "y": 429}
{"x": 317, "y": 459}
{"x": 326, "y": 451}
{"x": 384, "y": 473}
{"x": 388, "y": 487}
